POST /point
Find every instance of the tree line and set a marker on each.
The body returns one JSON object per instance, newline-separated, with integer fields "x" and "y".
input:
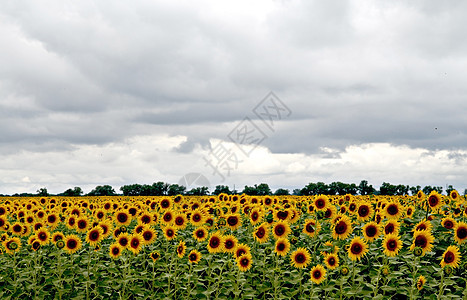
{"x": 165, "y": 189}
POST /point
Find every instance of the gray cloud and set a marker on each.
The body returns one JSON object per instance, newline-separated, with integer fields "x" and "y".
{"x": 77, "y": 74}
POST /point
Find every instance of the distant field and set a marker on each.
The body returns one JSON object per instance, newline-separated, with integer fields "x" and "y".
{"x": 234, "y": 247}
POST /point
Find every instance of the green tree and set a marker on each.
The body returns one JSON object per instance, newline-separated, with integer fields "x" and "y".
{"x": 282, "y": 192}
{"x": 176, "y": 189}
{"x": 75, "y": 192}
{"x": 414, "y": 189}
{"x": 222, "y": 189}
{"x": 42, "y": 192}
{"x": 199, "y": 191}
{"x": 102, "y": 190}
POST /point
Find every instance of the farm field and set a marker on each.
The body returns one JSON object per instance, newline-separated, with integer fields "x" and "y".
{"x": 234, "y": 247}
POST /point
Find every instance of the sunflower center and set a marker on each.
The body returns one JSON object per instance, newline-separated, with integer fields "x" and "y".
{"x": 167, "y": 217}
{"x": 363, "y": 211}
{"x": 94, "y": 235}
{"x": 341, "y": 227}
{"x": 17, "y": 228}
{"x": 300, "y": 258}
{"x": 82, "y": 224}
{"x": 309, "y": 228}
{"x": 147, "y": 235}
{"x": 170, "y": 233}
{"x": 214, "y": 242}
{"x": 392, "y": 245}
{"x": 229, "y": 244}
{"x": 146, "y": 219}
{"x": 71, "y": 244}
{"x": 281, "y": 247}
{"x": 331, "y": 261}
{"x": 123, "y": 242}
{"x": 260, "y": 232}
{"x": 421, "y": 242}
{"x": 244, "y": 262}
{"x": 449, "y": 257}
{"x": 448, "y": 224}
{"x": 392, "y": 209}
{"x": 42, "y": 236}
{"x": 320, "y": 203}
{"x": 254, "y": 216}
{"x": 122, "y": 218}
{"x": 389, "y": 228}
{"x": 356, "y": 249}
{"x": 421, "y": 227}
{"x": 371, "y": 231}
{"x": 115, "y": 250}
{"x": 192, "y": 257}
{"x": 462, "y": 233}
{"x": 232, "y": 220}
{"x": 165, "y": 204}
{"x": 179, "y": 221}
{"x": 279, "y": 230}
{"x": 317, "y": 274}
{"x": 433, "y": 200}
{"x": 200, "y": 233}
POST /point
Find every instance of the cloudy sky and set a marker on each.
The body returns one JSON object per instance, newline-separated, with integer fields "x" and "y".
{"x": 118, "y": 92}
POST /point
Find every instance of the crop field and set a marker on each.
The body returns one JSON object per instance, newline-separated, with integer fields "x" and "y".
{"x": 234, "y": 247}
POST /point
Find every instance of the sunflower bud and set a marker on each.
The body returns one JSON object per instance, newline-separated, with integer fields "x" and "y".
{"x": 60, "y": 244}
{"x": 385, "y": 270}
{"x": 296, "y": 233}
{"x": 304, "y": 209}
{"x": 344, "y": 270}
{"x": 417, "y": 251}
{"x": 448, "y": 270}
{"x": 268, "y": 251}
{"x": 122, "y": 229}
{"x": 13, "y": 246}
{"x": 293, "y": 240}
{"x": 269, "y": 218}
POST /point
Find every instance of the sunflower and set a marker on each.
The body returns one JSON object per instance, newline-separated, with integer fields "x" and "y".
{"x": 423, "y": 225}
{"x": 71, "y": 222}
{"x": 168, "y": 217}
{"x": 391, "y": 226}
{"x": 357, "y": 248}
{"x": 17, "y": 228}
{"x": 165, "y": 203}
{"x": 391, "y": 244}
{"x": 145, "y": 218}
{"x": 106, "y": 228}
{"x": 321, "y": 202}
{"x": 3, "y": 222}
{"x": 53, "y": 220}
{"x": 155, "y": 255}
{"x": 95, "y": 236}
{"x": 424, "y": 240}
{"x": 281, "y": 229}
{"x": 12, "y": 245}
{"x": 311, "y": 227}
{"x": 230, "y": 243}
{"x": 261, "y": 233}
{"x": 82, "y": 224}
{"x": 197, "y": 218}
{"x": 364, "y": 211}
{"x": 331, "y": 260}
{"x": 409, "y": 211}
{"x": 149, "y": 235}
{"x": 200, "y": 234}
{"x": 234, "y": 221}
{"x": 255, "y": 216}
{"x": 135, "y": 243}
{"x": 244, "y": 262}
{"x": 115, "y": 250}
{"x": 454, "y": 195}
{"x": 451, "y": 257}
{"x": 393, "y": 210}
{"x": 170, "y": 232}
{"x": 123, "y": 239}
{"x": 317, "y": 274}
{"x": 72, "y": 243}
{"x": 434, "y": 200}
{"x": 100, "y": 214}
{"x": 300, "y": 258}
{"x": 57, "y": 236}
{"x": 35, "y": 244}
{"x": 43, "y": 236}
{"x": 460, "y": 232}
{"x": 448, "y": 223}
{"x": 194, "y": 256}
{"x": 216, "y": 243}
{"x": 282, "y": 247}
{"x": 181, "y": 249}
{"x": 371, "y": 231}
{"x": 122, "y": 218}
{"x": 420, "y": 282}
{"x": 241, "y": 249}
{"x": 342, "y": 228}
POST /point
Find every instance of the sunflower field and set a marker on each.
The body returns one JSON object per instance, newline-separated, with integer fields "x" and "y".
{"x": 234, "y": 247}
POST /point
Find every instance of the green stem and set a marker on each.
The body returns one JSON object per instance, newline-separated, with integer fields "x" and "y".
{"x": 441, "y": 285}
